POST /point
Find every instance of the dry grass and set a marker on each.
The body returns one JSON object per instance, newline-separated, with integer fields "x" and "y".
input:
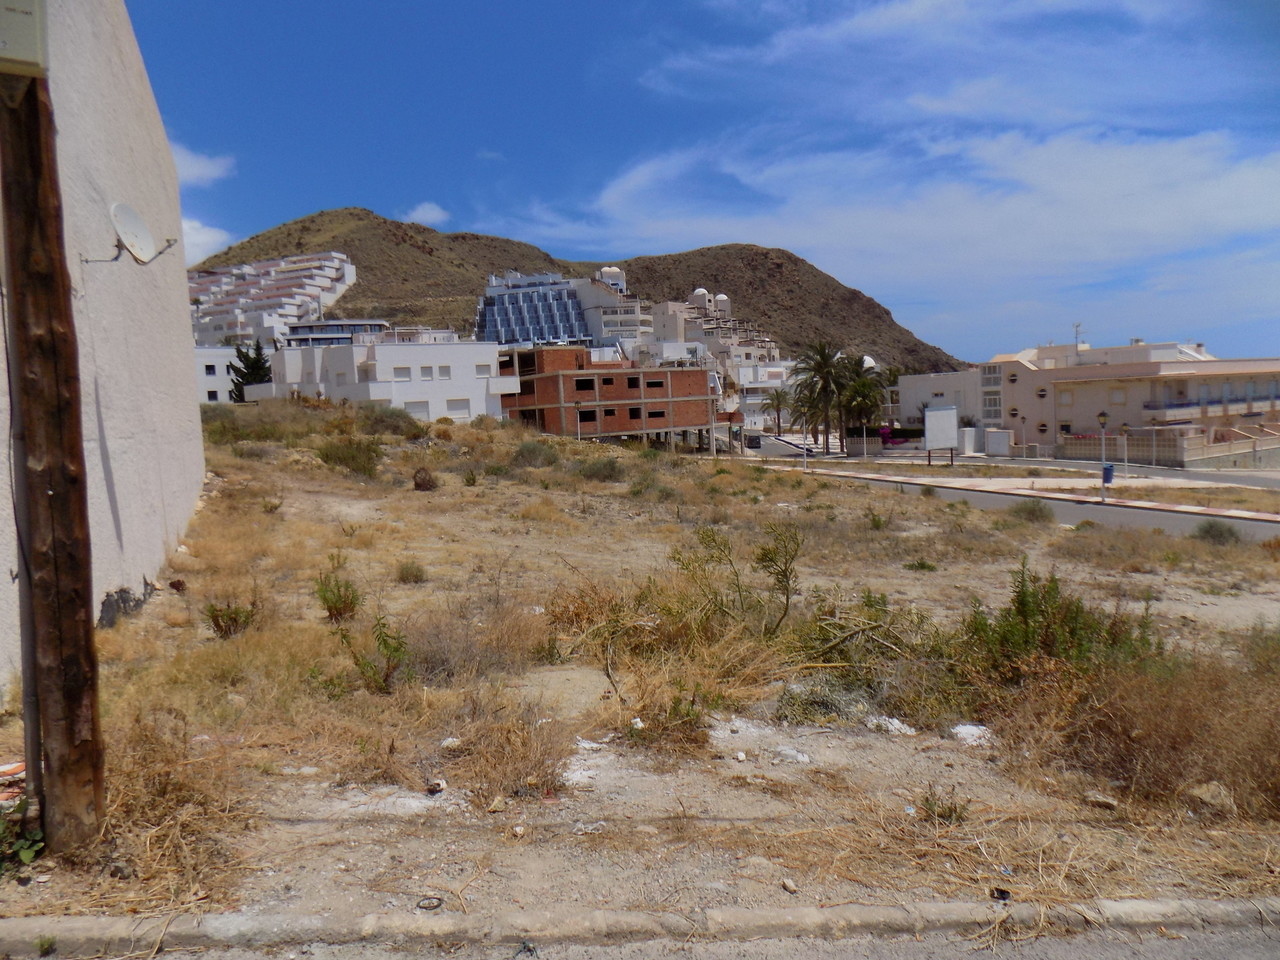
{"x": 1037, "y": 856}
{"x": 1226, "y": 498}
{"x": 189, "y": 714}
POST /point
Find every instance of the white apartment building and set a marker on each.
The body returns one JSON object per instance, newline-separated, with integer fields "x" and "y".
{"x": 258, "y": 301}
{"x": 709, "y": 320}
{"x": 213, "y": 373}
{"x": 754, "y": 384}
{"x": 1183, "y": 400}
{"x": 431, "y": 374}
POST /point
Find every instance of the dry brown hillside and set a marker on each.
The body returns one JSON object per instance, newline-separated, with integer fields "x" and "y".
{"x": 413, "y": 273}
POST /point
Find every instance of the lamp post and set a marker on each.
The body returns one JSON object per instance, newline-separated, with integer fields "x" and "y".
{"x": 1102, "y": 422}
{"x": 577, "y": 407}
{"x": 1024, "y": 437}
{"x": 1124, "y": 432}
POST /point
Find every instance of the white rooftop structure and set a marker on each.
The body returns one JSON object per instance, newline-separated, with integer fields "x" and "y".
{"x": 258, "y": 301}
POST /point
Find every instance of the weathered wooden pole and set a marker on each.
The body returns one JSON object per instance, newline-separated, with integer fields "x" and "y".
{"x": 55, "y": 539}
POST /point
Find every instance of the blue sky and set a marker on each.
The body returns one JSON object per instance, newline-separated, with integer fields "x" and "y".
{"x": 992, "y": 171}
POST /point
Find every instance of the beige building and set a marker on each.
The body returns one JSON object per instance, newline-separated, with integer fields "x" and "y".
{"x": 1175, "y": 403}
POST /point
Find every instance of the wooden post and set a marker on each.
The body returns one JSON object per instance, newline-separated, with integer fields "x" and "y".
{"x": 45, "y": 374}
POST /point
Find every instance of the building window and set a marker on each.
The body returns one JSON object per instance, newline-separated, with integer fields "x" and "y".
{"x": 633, "y": 383}
{"x": 655, "y": 384}
{"x": 1013, "y": 411}
{"x": 230, "y": 372}
{"x": 212, "y": 396}
{"x": 446, "y": 372}
{"x": 483, "y": 370}
{"x": 1043, "y": 428}
{"x": 458, "y": 408}
{"x": 1013, "y": 377}
{"x": 586, "y": 416}
{"x": 583, "y": 383}
{"x": 210, "y": 369}
{"x": 400, "y": 373}
{"x": 633, "y": 413}
{"x": 426, "y": 373}
{"x": 1042, "y": 393}
{"x": 610, "y": 412}
{"x": 657, "y": 414}
{"x": 606, "y": 381}
{"x": 1064, "y": 398}
{"x": 1064, "y": 428}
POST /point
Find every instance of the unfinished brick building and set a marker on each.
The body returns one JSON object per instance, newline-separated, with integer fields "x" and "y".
{"x": 564, "y": 392}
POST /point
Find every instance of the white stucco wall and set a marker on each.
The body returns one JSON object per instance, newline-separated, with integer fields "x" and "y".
{"x": 143, "y": 448}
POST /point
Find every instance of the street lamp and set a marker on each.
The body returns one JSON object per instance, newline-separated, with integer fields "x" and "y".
{"x": 1024, "y": 437}
{"x": 1124, "y": 432}
{"x": 1102, "y": 422}
{"x": 577, "y": 406}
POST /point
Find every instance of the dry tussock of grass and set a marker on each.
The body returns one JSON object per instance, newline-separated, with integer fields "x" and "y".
{"x": 508, "y": 746}
{"x": 1037, "y": 855}
{"x": 175, "y": 812}
{"x": 1161, "y": 730}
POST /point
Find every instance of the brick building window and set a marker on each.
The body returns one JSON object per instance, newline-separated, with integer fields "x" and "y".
{"x": 633, "y": 413}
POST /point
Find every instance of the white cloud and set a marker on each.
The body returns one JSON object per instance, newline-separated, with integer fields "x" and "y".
{"x": 962, "y": 235}
{"x": 200, "y": 169}
{"x": 428, "y": 214}
{"x": 202, "y": 240}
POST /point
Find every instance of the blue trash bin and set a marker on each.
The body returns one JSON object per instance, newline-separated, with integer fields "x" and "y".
{"x": 1108, "y": 473}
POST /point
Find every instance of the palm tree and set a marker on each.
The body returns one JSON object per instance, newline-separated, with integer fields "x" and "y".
{"x": 862, "y": 402}
{"x": 818, "y": 375}
{"x": 776, "y": 402}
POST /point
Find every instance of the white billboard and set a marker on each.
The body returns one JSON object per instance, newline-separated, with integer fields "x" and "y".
{"x": 941, "y": 428}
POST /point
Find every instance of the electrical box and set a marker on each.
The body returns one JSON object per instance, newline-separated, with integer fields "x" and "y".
{"x": 23, "y": 44}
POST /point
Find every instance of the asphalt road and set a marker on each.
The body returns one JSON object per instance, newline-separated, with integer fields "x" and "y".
{"x": 1067, "y": 510}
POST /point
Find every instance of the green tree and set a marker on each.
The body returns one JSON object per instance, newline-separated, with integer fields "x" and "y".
{"x": 861, "y": 398}
{"x": 819, "y": 374}
{"x": 251, "y": 366}
{"x": 776, "y": 402}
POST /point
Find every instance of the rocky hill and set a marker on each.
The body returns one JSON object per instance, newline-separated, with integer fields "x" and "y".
{"x": 411, "y": 273}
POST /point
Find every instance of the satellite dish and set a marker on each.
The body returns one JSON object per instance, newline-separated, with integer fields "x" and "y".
{"x": 133, "y": 232}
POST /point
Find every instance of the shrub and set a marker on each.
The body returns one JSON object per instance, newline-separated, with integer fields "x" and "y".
{"x": 484, "y": 422}
{"x": 360, "y": 455}
{"x": 424, "y": 480}
{"x": 411, "y": 571}
{"x": 1043, "y": 620}
{"x": 375, "y": 418}
{"x": 534, "y": 453}
{"x": 1215, "y": 531}
{"x": 922, "y": 565}
{"x": 340, "y": 597}
{"x": 1031, "y": 511}
{"x": 390, "y": 652}
{"x": 469, "y": 478}
{"x": 603, "y": 470}
{"x": 230, "y": 618}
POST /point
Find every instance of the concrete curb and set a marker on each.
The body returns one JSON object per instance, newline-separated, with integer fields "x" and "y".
{"x": 111, "y": 936}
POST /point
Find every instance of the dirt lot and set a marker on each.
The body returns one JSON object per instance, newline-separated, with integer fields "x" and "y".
{"x": 765, "y": 813}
